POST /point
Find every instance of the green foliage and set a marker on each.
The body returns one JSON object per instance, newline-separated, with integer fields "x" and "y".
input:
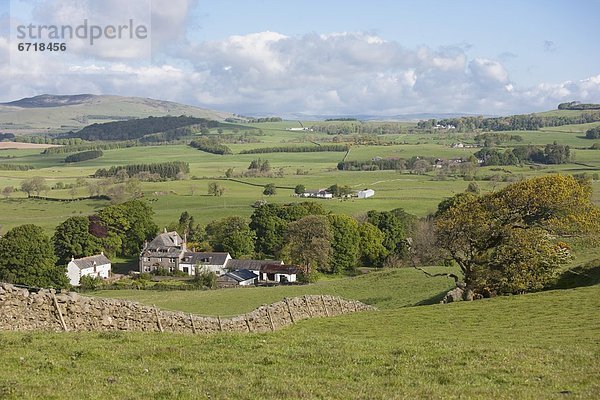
{"x": 308, "y": 243}
{"x": 392, "y": 227}
{"x": 297, "y": 149}
{"x": 527, "y": 122}
{"x": 129, "y": 223}
{"x": 270, "y": 189}
{"x": 232, "y": 235}
{"x": 214, "y": 189}
{"x": 90, "y": 283}
{"x": 27, "y": 258}
{"x": 269, "y": 222}
{"x": 15, "y": 167}
{"x": 509, "y": 241}
{"x": 166, "y": 170}
{"x": 210, "y": 145}
{"x": 73, "y": 239}
{"x": 83, "y": 156}
{"x": 372, "y": 251}
{"x": 345, "y": 243}
{"x": 576, "y": 105}
{"x": 551, "y": 154}
{"x": 299, "y": 189}
{"x": 205, "y": 279}
{"x": 35, "y": 185}
{"x": 138, "y": 128}
{"x": 339, "y": 191}
{"x": 593, "y": 133}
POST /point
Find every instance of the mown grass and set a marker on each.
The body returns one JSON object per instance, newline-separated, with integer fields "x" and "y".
{"x": 543, "y": 345}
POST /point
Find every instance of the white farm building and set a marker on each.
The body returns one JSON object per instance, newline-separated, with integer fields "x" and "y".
{"x": 95, "y": 266}
{"x": 363, "y": 194}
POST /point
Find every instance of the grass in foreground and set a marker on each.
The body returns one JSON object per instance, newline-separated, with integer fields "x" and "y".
{"x": 543, "y": 345}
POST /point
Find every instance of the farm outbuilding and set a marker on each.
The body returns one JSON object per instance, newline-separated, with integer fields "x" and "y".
{"x": 363, "y": 194}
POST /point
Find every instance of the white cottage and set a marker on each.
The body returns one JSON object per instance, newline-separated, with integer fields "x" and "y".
{"x": 95, "y": 266}
{"x": 278, "y": 273}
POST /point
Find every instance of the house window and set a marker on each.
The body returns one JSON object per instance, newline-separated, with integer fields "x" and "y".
{"x": 172, "y": 260}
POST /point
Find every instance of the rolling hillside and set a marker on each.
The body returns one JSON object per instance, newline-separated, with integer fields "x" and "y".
{"x": 62, "y": 113}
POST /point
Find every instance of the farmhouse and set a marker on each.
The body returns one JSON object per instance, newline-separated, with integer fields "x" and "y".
{"x": 97, "y": 266}
{"x": 168, "y": 251}
{"x": 319, "y": 194}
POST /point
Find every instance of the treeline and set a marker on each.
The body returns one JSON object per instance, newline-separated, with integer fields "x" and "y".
{"x": 15, "y": 167}
{"x": 166, "y": 170}
{"x": 551, "y": 154}
{"x": 138, "y": 128}
{"x": 83, "y": 156}
{"x": 576, "y": 105}
{"x": 97, "y": 146}
{"x": 494, "y": 138}
{"x": 6, "y": 136}
{"x": 48, "y": 140}
{"x": 358, "y": 127}
{"x": 266, "y": 119}
{"x": 420, "y": 164}
{"x": 372, "y": 165}
{"x": 340, "y": 119}
{"x": 297, "y": 149}
{"x": 511, "y": 123}
{"x": 210, "y": 145}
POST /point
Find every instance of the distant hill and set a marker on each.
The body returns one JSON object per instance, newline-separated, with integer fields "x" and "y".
{"x": 152, "y": 129}
{"x": 49, "y": 113}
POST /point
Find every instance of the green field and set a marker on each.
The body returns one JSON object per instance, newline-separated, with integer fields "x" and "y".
{"x": 542, "y": 345}
{"x": 417, "y": 194}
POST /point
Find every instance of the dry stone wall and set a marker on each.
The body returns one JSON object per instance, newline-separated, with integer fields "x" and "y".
{"x": 25, "y": 310}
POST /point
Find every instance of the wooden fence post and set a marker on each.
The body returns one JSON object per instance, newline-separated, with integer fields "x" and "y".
{"x": 193, "y": 325}
{"x": 325, "y": 305}
{"x": 60, "y": 316}
{"x": 160, "y": 328}
{"x": 287, "y": 302}
{"x": 270, "y": 319}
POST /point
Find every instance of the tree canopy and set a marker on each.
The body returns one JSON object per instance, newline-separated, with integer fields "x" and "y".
{"x": 72, "y": 238}
{"x": 27, "y": 258}
{"x": 513, "y": 240}
{"x": 233, "y": 235}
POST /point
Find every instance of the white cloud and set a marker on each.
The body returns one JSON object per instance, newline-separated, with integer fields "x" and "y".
{"x": 269, "y": 72}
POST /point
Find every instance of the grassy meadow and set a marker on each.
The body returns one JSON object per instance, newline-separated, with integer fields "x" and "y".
{"x": 417, "y": 194}
{"x": 541, "y": 345}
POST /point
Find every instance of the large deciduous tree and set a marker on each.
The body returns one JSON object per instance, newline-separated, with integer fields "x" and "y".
{"x": 233, "y": 235}
{"x": 27, "y": 258}
{"x": 131, "y": 223}
{"x": 372, "y": 251}
{"x": 345, "y": 243}
{"x": 512, "y": 241}
{"x": 308, "y": 243}
{"x": 72, "y": 238}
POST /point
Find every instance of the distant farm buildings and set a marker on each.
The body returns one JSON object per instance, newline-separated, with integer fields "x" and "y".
{"x": 325, "y": 194}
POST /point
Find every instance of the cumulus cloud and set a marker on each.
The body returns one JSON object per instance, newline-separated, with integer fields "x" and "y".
{"x": 269, "y": 72}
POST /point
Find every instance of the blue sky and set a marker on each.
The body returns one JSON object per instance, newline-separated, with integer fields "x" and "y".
{"x": 323, "y": 57}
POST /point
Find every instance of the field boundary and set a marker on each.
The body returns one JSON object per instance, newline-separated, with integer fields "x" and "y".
{"x": 24, "y": 309}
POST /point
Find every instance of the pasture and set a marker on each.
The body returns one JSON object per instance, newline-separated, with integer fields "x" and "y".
{"x": 541, "y": 345}
{"x": 417, "y": 194}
